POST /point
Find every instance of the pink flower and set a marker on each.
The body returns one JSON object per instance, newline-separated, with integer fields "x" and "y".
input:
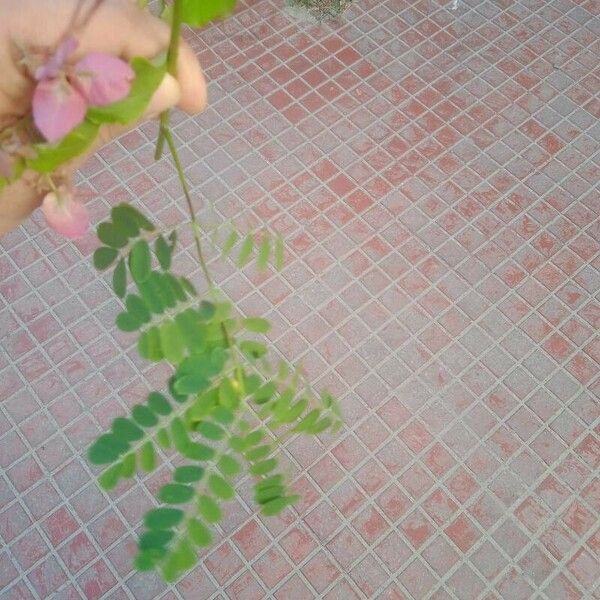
{"x": 65, "y": 214}
{"x": 63, "y": 93}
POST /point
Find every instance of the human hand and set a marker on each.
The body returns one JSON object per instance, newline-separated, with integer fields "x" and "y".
{"x": 116, "y": 27}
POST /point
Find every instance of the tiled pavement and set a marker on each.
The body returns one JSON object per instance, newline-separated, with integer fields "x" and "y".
{"x": 435, "y": 174}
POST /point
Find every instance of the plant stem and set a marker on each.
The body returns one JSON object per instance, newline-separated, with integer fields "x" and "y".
{"x": 172, "y": 57}
{"x": 166, "y": 136}
{"x": 188, "y": 198}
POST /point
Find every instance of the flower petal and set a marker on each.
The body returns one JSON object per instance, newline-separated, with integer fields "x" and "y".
{"x": 102, "y": 78}
{"x": 65, "y": 214}
{"x": 57, "y": 108}
{"x": 57, "y": 60}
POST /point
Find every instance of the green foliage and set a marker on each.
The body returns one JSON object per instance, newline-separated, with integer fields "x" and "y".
{"x": 48, "y": 157}
{"x": 265, "y": 248}
{"x": 198, "y": 13}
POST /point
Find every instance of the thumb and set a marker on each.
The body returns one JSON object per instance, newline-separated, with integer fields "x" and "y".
{"x": 166, "y": 96}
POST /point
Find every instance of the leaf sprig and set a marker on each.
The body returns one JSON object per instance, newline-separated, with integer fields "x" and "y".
{"x": 221, "y": 383}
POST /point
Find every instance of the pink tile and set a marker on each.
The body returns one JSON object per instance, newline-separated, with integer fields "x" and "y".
{"x": 250, "y": 539}
{"x": 321, "y": 572}
{"x": 223, "y": 562}
{"x": 78, "y": 552}
{"x": 437, "y": 197}
{"x": 96, "y": 580}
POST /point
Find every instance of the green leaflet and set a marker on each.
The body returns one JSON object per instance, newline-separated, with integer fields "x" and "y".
{"x": 229, "y": 396}
{"x": 175, "y": 287}
{"x": 126, "y": 430}
{"x": 163, "y": 438}
{"x": 256, "y": 325}
{"x": 159, "y": 287}
{"x": 230, "y": 242}
{"x": 128, "y": 466}
{"x": 267, "y": 494}
{"x": 252, "y": 349}
{"x": 258, "y": 453}
{"x": 140, "y": 261}
{"x": 158, "y": 538}
{"x": 144, "y": 416}
{"x": 171, "y": 342}
{"x": 137, "y": 308}
{"x": 220, "y": 488}
{"x": 109, "y": 479}
{"x": 113, "y": 235}
{"x": 175, "y": 493}
{"x": 51, "y": 156}
{"x": 127, "y": 212}
{"x": 200, "y": 13}
{"x": 191, "y": 330}
{"x": 106, "y": 449}
{"x": 229, "y": 466}
{"x": 264, "y": 252}
{"x": 147, "y": 79}
{"x": 119, "y": 281}
{"x": 104, "y": 257}
{"x": 263, "y": 467}
{"x": 254, "y": 437}
{"x": 126, "y": 218}
{"x": 279, "y": 253}
{"x": 163, "y": 253}
{"x": 275, "y": 506}
{"x": 308, "y": 421}
{"x": 163, "y": 518}
{"x": 199, "y": 533}
{"x": 180, "y": 435}
{"x": 209, "y": 509}
{"x": 188, "y": 474}
{"x": 149, "y": 345}
{"x": 207, "y": 310}
{"x": 127, "y": 322}
{"x": 147, "y": 457}
{"x": 245, "y": 250}
{"x": 222, "y": 415}
{"x": 265, "y": 392}
{"x": 269, "y": 488}
{"x": 159, "y": 404}
{"x": 210, "y": 430}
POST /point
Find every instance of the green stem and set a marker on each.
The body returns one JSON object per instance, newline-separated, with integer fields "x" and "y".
{"x": 188, "y": 198}
{"x": 172, "y": 57}
{"x": 166, "y": 136}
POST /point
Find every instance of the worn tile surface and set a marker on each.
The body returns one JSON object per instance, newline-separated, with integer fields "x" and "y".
{"x": 435, "y": 174}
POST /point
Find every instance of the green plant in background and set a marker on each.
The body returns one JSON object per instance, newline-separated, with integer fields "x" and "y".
{"x": 320, "y": 9}
{"x": 225, "y": 409}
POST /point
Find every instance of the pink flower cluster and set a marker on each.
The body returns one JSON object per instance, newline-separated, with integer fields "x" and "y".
{"x": 64, "y": 92}
{"x": 61, "y": 98}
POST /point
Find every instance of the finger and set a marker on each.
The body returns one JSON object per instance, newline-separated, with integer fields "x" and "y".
{"x": 168, "y": 94}
{"x": 164, "y": 97}
{"x": 24, "y": 199}
{"x": 191, "y": 79}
